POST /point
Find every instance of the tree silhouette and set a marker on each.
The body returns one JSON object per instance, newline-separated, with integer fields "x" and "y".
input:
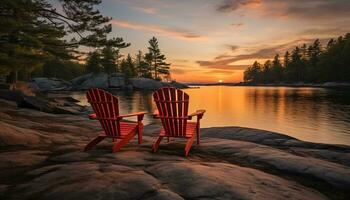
{"x": 93, "y": 63}
{"x": 108, "y": 60}
{"x": 142, "y": 67}
{"x": 128, "y": 68}
{"x": 313, "y": 64}
{"x": 156, "y": 59}
{"x": 35, "y": 32}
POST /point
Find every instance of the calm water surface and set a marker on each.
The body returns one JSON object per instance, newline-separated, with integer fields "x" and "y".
{"x": 311, "y": 114}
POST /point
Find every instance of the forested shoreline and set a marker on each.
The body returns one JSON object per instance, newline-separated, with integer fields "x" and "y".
{"x": 66, "y": 40}
{"x": 312, "y": 63}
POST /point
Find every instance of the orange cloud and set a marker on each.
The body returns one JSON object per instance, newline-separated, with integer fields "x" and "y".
{"x": 170, "y": 32}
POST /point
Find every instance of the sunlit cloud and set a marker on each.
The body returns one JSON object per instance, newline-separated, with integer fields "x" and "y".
{"x": 170, "y": 32}
{"x": 147, "y": 10}
{"x": 227, "y": 61}
{"x": 220, "y": 71}
{"x": 232, "y": 5}
{"x": 237, "y": 25}
{"x": 325, "y": 31}
{"x": 307, "y": 10}
{"x": 233, "y": 47}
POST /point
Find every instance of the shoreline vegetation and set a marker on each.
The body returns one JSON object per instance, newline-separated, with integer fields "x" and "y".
{"x": 269, "y": 164}
{"x": 312, "y": 63}
{"x": 68, "y": 40}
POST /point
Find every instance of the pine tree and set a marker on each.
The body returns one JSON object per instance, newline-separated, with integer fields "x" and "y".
{"x": 294, "y": 68}
{"x": 267, "y": 72}
{"x": 128, "y": 68}
{"x": 253, "y": 73}
{"x": 93, "y": 63}
{"x": 108, "y": 60}
{"x": 143, "y": 68}
{"x": 33, "y": 32}
{"x": 277, "y": 70}
{"x": 307, "y": 63}
{"x": 286, "y": 59}
{"x": 156, "y": 60}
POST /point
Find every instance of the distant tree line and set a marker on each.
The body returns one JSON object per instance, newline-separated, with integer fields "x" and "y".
{"x": 308, "y": 63}
{"x": 149, "y": 65}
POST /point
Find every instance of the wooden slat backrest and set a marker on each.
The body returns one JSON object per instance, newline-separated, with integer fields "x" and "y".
{"x": 105, "y": 106}
{"x": 172, "y": 105}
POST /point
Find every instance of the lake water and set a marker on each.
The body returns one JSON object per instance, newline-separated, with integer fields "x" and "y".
{"x": 310, "y": 114}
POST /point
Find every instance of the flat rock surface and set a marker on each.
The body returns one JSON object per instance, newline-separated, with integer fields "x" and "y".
{"x": 42, "y": 158}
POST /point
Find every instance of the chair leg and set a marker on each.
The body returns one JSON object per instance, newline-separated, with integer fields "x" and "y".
{"x": 198, "y": 135}
{"x": 118, "y": 145}
{"x": 156, "y": 144}
{"x": 188, "y": 145}
{"x": 93, "y": 142}
{"x": 139, "y": 133}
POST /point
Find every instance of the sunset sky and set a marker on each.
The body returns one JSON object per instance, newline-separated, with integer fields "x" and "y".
{"x": 212, "y": 40}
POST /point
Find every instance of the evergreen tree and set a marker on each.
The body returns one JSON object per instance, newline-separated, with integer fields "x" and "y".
{"x": 307, "y": 63}
{"x": 128, "y": 68}
{"x": 286, "y": 59}
{"x": 156, "y": 60}
{"x": 313, "y": 53}
{"x": 61, "y": 69}
{"x": 253, "y": 73}
{"x": 118, "y": 57}
{"x": 267, "y": 72}
{"x": 93, "y": 63}
{"x": 34, "y": 31}
{"x": 293, "y": 71}
{"x": 142, "y": 67}
{"x": 108, "y": 60}
{"x": 277, "y": 70}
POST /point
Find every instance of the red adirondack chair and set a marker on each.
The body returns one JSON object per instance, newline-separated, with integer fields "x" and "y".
{"x": 172, "y": 105}
{"x": 106, "y": 109}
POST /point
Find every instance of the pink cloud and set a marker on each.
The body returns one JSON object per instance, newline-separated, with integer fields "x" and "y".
{"x": 170, "y": 32}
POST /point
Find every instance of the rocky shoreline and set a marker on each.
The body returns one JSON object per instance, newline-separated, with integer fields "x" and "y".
{"x": 42, "y": 158}
{"x": 115, "y": 81}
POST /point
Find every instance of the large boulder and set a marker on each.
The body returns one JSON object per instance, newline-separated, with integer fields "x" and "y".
{"x": 145, "y": 84}
{"x": 59, "y": 106}
{"x": 175, "y": 84}
{"x": 92, "y": 80}
{"x": 335, "y": 84}
{"x": 116, "y": 80}
{"x": 49, "y": 84}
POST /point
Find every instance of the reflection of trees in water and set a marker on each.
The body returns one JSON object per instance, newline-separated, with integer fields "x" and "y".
{"x": 307, "y": 106}
{"x": 290, "y": 104}
{"x": 135, "y": 101}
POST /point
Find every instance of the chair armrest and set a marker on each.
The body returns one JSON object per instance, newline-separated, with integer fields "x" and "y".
{"x": 138, "y": 114}
{"x": 198, "y": 113}
{"x": 92, "y": 116}
{"x": 132, "y": 114}
{"x": 155, "y": 113}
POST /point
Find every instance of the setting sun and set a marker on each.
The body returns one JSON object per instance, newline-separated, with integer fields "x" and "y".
{"x": 220, "y": 81}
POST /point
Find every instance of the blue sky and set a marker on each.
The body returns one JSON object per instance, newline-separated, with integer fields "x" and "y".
{"x": 207, "y": 40}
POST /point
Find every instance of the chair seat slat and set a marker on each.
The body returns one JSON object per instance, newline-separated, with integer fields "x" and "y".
{"x": 171, "y": 117}
{"x": 171, "y": 101}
